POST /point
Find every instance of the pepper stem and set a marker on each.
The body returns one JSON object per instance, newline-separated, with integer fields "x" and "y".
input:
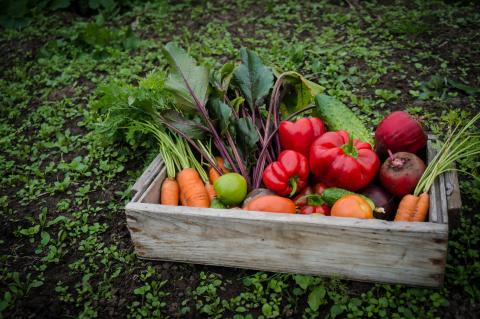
{"x": 348, "y": 148}
{"x": 293, "y": 183}
{"x": 350, "y": 143}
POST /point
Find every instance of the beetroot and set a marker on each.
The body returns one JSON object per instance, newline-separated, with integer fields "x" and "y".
{"x": 399, "y": 132}
{"x": 400, "y": 173}
{"x": 384, "y": 202}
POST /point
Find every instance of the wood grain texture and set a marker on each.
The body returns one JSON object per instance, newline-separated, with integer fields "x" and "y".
{"x": 454, "y": 200}
{"x": 144, "y": 181}
{"x": 152, "y": 194}
{"x": 438, "y": 211}
{"x": 366, "y": 250}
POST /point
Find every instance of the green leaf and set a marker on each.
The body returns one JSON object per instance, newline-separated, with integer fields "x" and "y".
{"x": 141, "y": 290}
{"x": 220, "y": 79}
{"x": 226, "y": 74}
{"x": 59, "y": 4}
{"x": 246, "y": 133}
{"x": 300, "y": 92}
{"x": 187, "y": 80}
{"x": 220, "y": 112}
{"x": 267, "y": 310}
{"x": 30, "y": 231}
{"x": 189, "y": 127}
{"x": 56, "y": 220}
{"x": 463, "y": 87}
{"x": 252, "y": 77}
{"x": 303, "y": 281}
{"x": 45, "y": 238}
{"x": 236, "y": 103}
{"x": 131, "y": 41}
{"x": 316, "y": 297}
{"x": 336, "y": 310}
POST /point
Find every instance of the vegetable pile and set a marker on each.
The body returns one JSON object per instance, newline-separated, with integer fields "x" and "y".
{"x": 224, "y": 134}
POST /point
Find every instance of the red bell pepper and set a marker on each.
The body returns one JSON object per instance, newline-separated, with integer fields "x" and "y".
{"x": 288, "y": 174}
{"x": 340, "y": 161}
{"x": 300, "y": 135}
{"x": 309, "y": 201}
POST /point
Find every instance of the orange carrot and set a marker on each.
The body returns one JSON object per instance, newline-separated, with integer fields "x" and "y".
{"x": 211, "y": 191}
{"x": 192, "y": 188}
{"x": 213, "y": 174}
{"x": 170, "y": 192}
{"x": 182, "y": 199}
{"x": 420, "y": 214}
{"x": 413, "y": 208}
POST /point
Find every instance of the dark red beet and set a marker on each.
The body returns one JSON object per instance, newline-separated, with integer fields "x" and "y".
{"x": 400, "y": 173}
{"x": 399, "y": 132}
{"x": 385, "y": 205}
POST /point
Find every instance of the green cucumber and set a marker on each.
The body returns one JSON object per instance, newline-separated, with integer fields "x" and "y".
{"x": 337, "y": 116}
{"x": 331, "y": 195}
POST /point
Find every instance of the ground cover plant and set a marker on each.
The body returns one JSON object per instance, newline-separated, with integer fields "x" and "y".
{"x": 65, "y": 249}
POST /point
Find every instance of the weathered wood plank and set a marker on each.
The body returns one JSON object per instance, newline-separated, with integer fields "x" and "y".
{"x": 143, "y": 182}
{"x": 368, "y": 250}
{"x": 443, "y": 209}
{"x": 433, "y": 213}
{"x": 454, "y": 200}
{"x": 152, "y": 193}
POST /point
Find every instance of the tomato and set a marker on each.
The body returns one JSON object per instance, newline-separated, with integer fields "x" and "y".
{"x": 231, "y": 188}
{"x": 352, "y": 206}
{"x": 272, "y": 204}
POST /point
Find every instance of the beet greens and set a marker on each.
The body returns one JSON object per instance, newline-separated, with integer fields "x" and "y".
{"x": 230, "y": 104}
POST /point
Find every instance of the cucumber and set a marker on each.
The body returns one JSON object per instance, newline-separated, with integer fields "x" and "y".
{"x": 337, "y": 116}
{"x": 331, "y": 195}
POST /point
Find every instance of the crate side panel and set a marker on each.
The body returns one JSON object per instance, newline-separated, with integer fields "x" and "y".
{"x": 385, "y": 255}
{"x": 144, "y": 181}
{"x": 152, "y": 193}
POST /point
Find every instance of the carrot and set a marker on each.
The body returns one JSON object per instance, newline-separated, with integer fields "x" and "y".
{"x": 213, "y": 174}
{"x": 413, "y": 208}
{"x": 170, "y": 192}
{"x": 192, "y": 188}
{"x": 420, "y": 214}
{"x": 210, "y": 191}
{"x": 182, "y": 199}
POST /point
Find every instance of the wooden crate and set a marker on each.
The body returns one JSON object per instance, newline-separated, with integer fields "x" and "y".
{"x": 365, "y": 250}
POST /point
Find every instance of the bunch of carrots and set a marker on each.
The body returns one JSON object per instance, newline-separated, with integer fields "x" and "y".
{"x": 191, "y": 185}
{"x": 459, "y": 145}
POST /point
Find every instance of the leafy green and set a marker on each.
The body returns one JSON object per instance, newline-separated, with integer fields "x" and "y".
{"x": 221, "y": 113}
{"x": 221, "y": 78}
{"x": 252, "y": 77}
{"x": 246, "y": 133}
{"x": 299, "y": 93}
{"x": 186, "y": 78}
{"x": 316, "y": 297}
{"x": 192, "y": 128}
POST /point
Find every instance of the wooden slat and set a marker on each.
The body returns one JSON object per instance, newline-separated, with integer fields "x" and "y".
{"x": 454, "y": 200}
{"x": 443, "y": 212}
{"x": 433, "y": 213}
{"x": 143, "y": 182}
{"x": 152, "y": 193}
{"x": 366, "y": 250}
